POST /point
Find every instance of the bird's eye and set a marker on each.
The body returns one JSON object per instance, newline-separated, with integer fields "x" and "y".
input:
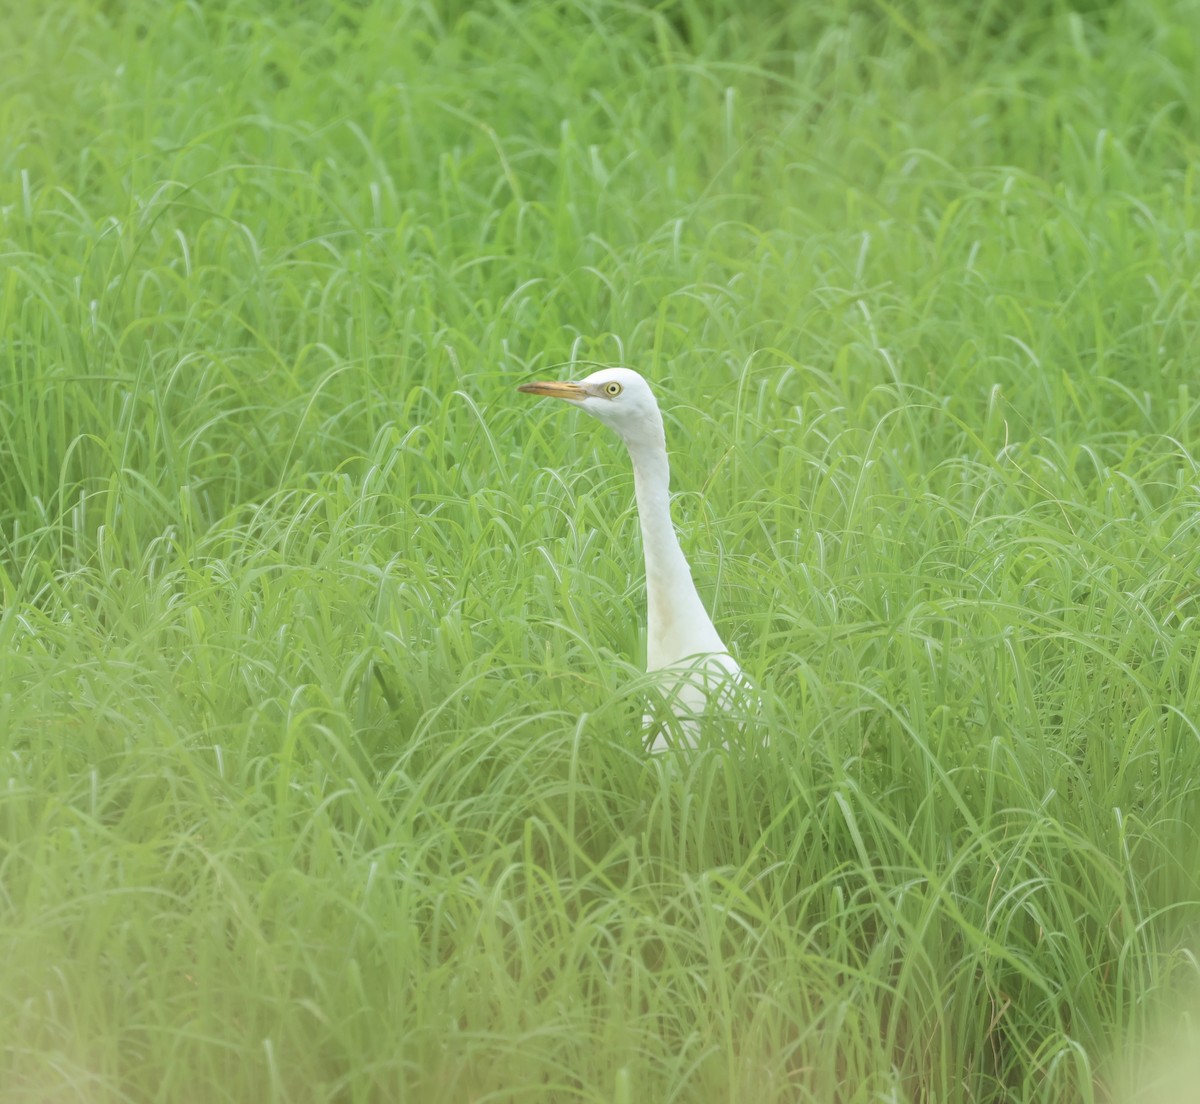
{"x": 612, "y": 390}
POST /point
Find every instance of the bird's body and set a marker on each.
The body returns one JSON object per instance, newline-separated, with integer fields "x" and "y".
{"x": 680, "y": 636}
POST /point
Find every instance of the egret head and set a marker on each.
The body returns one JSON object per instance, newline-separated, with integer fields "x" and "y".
{"x": 618, "y": 397}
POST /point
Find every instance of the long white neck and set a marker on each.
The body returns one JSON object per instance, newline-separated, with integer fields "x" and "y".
{"x": 678, "y": 625}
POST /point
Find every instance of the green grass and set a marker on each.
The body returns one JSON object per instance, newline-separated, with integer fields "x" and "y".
{"x": 917, "y": 286}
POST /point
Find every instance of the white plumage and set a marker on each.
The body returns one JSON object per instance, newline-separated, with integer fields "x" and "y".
{"x": 680, "y": 635}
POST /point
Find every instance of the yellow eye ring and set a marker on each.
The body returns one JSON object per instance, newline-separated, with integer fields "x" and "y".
{"x": 612, "y": 389}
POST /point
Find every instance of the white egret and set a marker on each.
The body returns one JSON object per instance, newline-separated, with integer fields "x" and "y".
{"x": 680, "y": 636}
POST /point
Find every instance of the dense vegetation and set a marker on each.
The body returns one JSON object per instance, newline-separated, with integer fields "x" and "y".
{"x": 320, "y": 763}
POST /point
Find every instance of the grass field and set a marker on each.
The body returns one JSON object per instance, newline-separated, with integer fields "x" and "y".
{"x": 320, "y": 763}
